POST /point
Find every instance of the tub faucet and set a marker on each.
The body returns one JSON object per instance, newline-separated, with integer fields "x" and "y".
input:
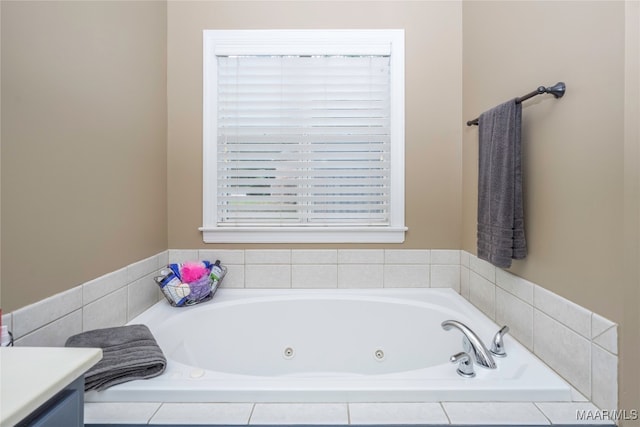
{"x": 472, "y": 344}
{"x": 465, "y": 367}
{"x": 497, "y": 344}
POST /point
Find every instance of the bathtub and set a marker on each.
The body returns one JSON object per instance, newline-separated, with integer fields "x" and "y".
{"x": 329, "y": 346}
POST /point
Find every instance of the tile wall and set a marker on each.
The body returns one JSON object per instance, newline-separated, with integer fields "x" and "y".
{"x": 580, "y": 345}
{"x": 109, "y": 300}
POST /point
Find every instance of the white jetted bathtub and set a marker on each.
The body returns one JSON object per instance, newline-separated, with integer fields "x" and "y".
{"x": 329, "y": 346}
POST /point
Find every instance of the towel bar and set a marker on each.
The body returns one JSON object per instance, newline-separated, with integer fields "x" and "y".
{"x": 556, "y": 90}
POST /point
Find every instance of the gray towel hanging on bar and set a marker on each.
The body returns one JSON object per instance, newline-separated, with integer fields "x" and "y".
{"x": 501, "y": 235}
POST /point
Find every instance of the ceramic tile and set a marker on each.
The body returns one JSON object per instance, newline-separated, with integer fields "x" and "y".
{"x": 599, "y": 325}
{"x": 203, "y": 413}
{"x": 360, "y": 256}
{"x": 465, "y": 259}
{"x": 564, "y": 311}
{"x": 572, "y": 413}
{"x": 119, "y": 412}
{"x": 604, "y": 378}
{"x": 142, "y": 294}
{"x": 498, "y": 413}
{"x": 234, "y": 277}
{"x": 299, "y": 413}
{"x": 7, "y": 320}
{"x": 551, "y": 340}
{"x": 576, "y": 396}
{"x": 53, "y": 334}
{"x": 163, "y": 259}
{"x": 267, "y": 256}
{"x": 106, "y": 312}
{"x": 445, "y": 256}
{"x": 103, "y": 285}
{"x": 406, "y": 256}
{"x": 608, "y": 340}
{"x": 142, "y": 268}
{"x": 34, "y": 316}
{"x": 517, "y": 314}
{"x": 483, "y": 268}
{"x": 406, "y": 276}
{"x": 605, "y": 333}
{"x": 314, "y": 276}
{"x": 445, "y": 276}
{"x": 482, "y": 294}
{"x": 314, "y": 256}
{"x": 267, "y": 276}
{"x": 515, "y": 285}
{"x": 182, "y": 255}
{"x": 360, "y": 275}
{"x": 464, "y": 282}
{"x": 396, "y": 413}
{"x": 226, "y": 256}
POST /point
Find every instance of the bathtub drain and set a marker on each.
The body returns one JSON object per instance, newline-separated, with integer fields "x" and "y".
{"x": 379, "y": 355}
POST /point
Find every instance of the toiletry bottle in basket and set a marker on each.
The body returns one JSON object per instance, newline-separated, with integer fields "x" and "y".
{"x": 169, "y": 283}
{"x": 216, "y": 271}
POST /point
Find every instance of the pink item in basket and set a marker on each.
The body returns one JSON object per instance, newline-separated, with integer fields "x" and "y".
{"x": 192, "y": 271}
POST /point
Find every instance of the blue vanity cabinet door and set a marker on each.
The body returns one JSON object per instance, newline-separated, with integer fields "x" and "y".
{"x": 65, "y": 409}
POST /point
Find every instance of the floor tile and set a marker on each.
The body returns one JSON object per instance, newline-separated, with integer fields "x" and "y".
{"x": 397, "y": 413}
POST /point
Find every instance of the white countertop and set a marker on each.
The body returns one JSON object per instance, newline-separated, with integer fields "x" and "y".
{"x": 29, "y": 376}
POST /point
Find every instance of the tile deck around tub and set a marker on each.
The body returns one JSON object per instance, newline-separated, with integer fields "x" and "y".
{"x": 388, "y": 413}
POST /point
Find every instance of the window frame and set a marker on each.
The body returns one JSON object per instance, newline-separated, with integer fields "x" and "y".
{"x": 303, "y": 42}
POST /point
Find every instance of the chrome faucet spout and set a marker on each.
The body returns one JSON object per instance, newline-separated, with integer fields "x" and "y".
{"x": 477, "y": 349}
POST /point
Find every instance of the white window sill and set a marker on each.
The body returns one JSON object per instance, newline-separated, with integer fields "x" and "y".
{"x": 303, "y": 234}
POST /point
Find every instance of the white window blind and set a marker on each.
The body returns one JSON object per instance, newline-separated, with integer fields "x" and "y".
{"x": 303, "y": 140}
{"x": 303, "y": 136}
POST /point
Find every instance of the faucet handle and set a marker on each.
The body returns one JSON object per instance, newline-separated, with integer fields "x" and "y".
{"x": 465, "y": 367}
{"x": 497, "y": 344}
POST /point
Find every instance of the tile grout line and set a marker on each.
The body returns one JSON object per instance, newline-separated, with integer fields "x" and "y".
{"x": 155, "y": 412}
{"x": 253, "y": 408}
{"x": 445, "y": 412}
{"x": 542, "y": 412}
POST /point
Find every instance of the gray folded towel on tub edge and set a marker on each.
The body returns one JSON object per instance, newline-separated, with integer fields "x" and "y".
{"x": 128, "y": 353}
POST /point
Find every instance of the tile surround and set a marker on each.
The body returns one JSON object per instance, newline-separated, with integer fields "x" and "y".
{"x": 299, "y": 413}
{"x": 203, "y": 413}
{"x": 106, "y": 301}
{"x": 578, "y": 344}
{"x": 506, "y": 413}
{"x": 120, "y": 412}
{"x": 373, "y": 413}
{"x": 551, "y": 339}
{"x": 41, "y": 313}
{"x": 566, "y": 412}
{"x": 531, "y": 311}
{"x": 397, "y": 413}
{"x": 516, "y": 313}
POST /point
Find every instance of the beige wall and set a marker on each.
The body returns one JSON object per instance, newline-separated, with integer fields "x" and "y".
{"x": 83, "y": 142}
{"x": 631, "y": 312}
{"x": 0, "y": 157}
{"x": 433, "y": 102}
{"x": 574, "y": 151}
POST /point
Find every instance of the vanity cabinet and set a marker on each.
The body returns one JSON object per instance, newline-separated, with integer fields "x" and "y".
{"x": 64, "y": 409}
{"x": 44, "y": 386}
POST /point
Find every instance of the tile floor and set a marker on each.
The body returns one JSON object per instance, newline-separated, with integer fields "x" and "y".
{"x": 424, "y": 413}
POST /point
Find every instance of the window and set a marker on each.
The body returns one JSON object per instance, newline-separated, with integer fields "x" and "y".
{"x": 303, "y": 136}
